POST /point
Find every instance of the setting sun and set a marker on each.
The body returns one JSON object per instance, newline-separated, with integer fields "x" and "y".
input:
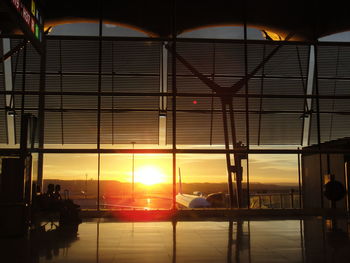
{"x": 149, "y": 175}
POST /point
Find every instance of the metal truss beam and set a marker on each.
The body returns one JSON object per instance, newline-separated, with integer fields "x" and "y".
{"x": 8, "y": 53}
{"x": 124, "y": 110}
{"x": 190, "y": 94}
{"x": 186, "y": 151}
{"x": 226, "y": 101}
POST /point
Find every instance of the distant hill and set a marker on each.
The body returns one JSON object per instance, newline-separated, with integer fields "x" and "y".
{"x": 113, "y": 188}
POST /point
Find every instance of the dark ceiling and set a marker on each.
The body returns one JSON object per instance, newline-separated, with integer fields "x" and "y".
{"x": 307, "y": 20}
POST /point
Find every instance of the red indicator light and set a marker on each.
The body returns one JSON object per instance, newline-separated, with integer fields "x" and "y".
{"x": 195, "y": 102}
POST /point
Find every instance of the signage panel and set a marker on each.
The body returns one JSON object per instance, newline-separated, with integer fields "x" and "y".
{"x": 28, "y": 16}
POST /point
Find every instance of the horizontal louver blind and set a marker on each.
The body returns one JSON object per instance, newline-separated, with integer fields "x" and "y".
{"x": 334, "y": 73}
{"x": 127, "y": 66}
{"x": 271, "y": 121}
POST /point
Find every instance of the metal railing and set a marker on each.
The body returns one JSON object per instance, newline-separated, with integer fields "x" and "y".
{"x": 275, "y": 200}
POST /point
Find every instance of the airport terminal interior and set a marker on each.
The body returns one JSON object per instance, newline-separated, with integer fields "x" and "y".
{"x": 174, "y": 131}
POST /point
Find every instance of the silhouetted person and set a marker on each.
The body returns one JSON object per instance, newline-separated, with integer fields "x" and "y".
{"x": 50, "y": 190}
{"x": 57, "y": 194}
{"x": 48, "y": 198}
{"x": 57, "y": 199}
{"x": 51, "y": 204}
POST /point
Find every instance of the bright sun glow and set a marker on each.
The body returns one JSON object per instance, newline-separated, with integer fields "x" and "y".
{"x": 149, "y": 175}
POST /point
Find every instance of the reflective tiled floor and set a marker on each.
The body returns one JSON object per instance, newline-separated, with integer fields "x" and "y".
{"x": 310, "y": 240}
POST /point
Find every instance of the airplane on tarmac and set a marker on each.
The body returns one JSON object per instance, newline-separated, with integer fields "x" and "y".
{"x": 198, "y": 200}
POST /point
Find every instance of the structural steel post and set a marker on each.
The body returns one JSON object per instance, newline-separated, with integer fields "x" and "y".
{"x": 318, "y": 122}
{"x": 99, "y": 103}
{"x": 227, "y": 154}
{"x": 9, "y": 99}
{"x": 240, "y": 194}
{"x": 308, "y": 101}
{"x": 174, "y": 89}
{"x": 41, "y": 112}
{"x": 226, "y": 95}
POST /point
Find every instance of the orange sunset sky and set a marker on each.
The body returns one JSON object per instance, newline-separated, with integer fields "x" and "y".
{"x": 194, "y": 167}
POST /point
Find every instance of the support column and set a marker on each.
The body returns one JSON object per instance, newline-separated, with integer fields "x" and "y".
{"x": 228, "y": 156}
{"x": 10, "y": 118}
{"x": 173, "y": 98}
{"x": 163, "y": 87}
{"x": 308, "y": 102}
{"x": 41, "y": 113}
{"x": 318, "y": 119}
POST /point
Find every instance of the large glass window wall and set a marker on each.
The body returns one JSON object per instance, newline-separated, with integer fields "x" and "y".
{"x": 113, "y": 101}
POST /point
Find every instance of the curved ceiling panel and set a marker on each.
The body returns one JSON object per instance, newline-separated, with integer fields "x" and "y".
{"x": 306, "y": 20}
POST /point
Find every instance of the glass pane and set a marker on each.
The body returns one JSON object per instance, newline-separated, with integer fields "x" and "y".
{"x": 152, "y": 187}
{"x": 76, "y": 174}
{"x": 274, "y": 181}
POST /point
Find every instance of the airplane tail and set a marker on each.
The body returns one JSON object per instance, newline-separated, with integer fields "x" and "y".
{"x": 180, "y": 183}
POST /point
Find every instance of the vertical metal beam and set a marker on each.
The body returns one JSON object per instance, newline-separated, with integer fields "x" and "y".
{"x": 24, "y": 63}
{"x": 113, "y": 91}
{"x": 212, "y": 98}
{"x": 61, "y": 90}
{"x": 308, "y": 102}
{"x": 261, "y": 93}
{"x": 318, "y": 123}
{"x": 24, "y": 139}
{"x": 237, "y": 158}
{"x": 99, "y": 103}
{"x": 164, "y": 75}
{"x": 334, "y": 92}
{"x": 163, "y": 83}
{"x": 173, "y": 62}
{"x": 227, "y": 148}
{"x": 246, "y": 109}
{"x": 41, "y": 112}
{"x": 299, "y": 182}
{"x": 10, "y": 119}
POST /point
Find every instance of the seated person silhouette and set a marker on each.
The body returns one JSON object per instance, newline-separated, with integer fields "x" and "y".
{"x": 48, "y": 198}
{"x": 52, "y": 202}
{"x": 56, "y": 198}
{"x": 56, "y": 193}
{"x": 50, "y": 190}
